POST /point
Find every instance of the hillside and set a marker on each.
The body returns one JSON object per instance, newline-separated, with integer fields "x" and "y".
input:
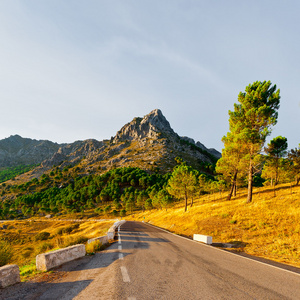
{"x": 15, "y": 151}
{"x": 148, "y": 143}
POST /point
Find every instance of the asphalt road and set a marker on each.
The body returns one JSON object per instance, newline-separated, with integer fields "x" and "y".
{"x": 149, "y": 263}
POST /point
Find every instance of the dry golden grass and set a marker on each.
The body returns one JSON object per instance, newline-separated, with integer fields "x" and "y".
{"x": 268, "y": 227}
{"x": 23, "y": 236}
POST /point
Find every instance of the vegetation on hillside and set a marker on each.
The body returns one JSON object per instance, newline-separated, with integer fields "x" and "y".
{"x": 10, "y": 173}
{"x": 113, "y": 193}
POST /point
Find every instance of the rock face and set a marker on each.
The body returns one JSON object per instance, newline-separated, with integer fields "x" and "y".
{"x": 149, "y": 143}
{"x": 151, "y": 126}
{"x": 16, "y": 150}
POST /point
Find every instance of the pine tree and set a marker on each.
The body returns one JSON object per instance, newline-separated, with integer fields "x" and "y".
{"x": 252, "y": 119}
{"x": 294, "y": 156}
{"x": 231, "y": 164}
{"x": 275, "y": 163}
{"x": 182, "y": 184}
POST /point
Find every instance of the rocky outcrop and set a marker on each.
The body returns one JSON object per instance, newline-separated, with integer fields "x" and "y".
{"x": 72, "y": 153}
{"x": 16, "y": 150}
{"x": 151, "y": 127}
{"x": 148, "y": 143}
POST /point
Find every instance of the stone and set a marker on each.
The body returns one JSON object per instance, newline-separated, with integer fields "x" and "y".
{"x": 103, "y": 240}
{"x": 9, "y": 275}
{"x": 50, "y": 260}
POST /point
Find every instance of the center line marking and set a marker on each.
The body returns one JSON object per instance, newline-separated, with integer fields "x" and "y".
{"x": 121, "y": 256}
{"x": 125, "y": 274}
{"x": 120, "y": 247}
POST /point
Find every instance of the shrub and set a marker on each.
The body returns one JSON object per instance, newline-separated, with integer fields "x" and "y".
{"x": 28, "y": 270}
{"x": 6, "y": 253}
{"x": 115, "y": 213}
{"x": 42, "y": 236}
{"x": 60, "y": 231}
{"x": 43, "y": 247}
{"x": 94, "y": 247}
{"x": 67, "y": 229}
{"x": 27, "y": 253}
{"x": 123, "y": 213}
{"x": 75, "y": 240}
{"x": 99, "y": 211}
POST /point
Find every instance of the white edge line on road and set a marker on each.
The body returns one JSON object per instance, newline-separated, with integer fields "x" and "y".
{"x": 125, "y": 274}
{"x": 120, "y": 247}
{"x": 121, "y": 256}
{"x": 211, "y": 247}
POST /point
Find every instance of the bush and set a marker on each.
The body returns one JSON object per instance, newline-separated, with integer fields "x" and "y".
{"x": 44, "y": 247}
{"x": 67, "y": 229}
{"x": 93, "y": 247}
{"x": 75, "y": 240}
{"x": 115, "y": 213}
{"x": 6, "y": 253}
{"x": 123, "y": 213}
{"x": 28, "y": 270}
{"x": 27, "y": 253}
{"x": 42, "y": 236}
{"x": 60, "y": 231}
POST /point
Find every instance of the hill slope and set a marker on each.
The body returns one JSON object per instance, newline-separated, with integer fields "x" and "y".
{"x": 15, "y": 151}
{"x": 148, "y": 143}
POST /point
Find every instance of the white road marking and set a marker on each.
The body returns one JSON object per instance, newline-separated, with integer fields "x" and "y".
{"x": 121, "y": 256}
{"x": 120, "y": 247}
{"x": 120, "y": 239}
{"x": 125, "y": 274}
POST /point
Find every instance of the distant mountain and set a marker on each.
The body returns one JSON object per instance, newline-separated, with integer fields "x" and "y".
{"x": 149, "y": 143}
{"x": 16, "y": 150}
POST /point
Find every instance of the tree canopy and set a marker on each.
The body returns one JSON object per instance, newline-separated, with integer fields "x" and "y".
{"x": 251, "y": 122}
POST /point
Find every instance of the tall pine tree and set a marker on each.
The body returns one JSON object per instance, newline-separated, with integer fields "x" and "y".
{"x": 251, "y": 121}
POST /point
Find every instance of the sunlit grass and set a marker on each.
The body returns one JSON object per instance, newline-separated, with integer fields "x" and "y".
{"x": 25, "y": 238}
{"x": 268, "y": 227}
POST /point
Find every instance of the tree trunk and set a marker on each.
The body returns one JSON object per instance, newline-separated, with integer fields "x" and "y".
{"x": 192, "y": 201}
{"x": 233, "y": 184}
{"x": 250, "y": 182}
{"x": 186, "y": 200}
{"x": 235, "y": 190}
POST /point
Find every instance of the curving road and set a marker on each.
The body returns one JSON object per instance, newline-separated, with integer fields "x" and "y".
{"x": 148, "y": 263}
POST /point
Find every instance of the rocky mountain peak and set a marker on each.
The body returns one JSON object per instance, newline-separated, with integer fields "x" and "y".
{"x": 150, "y": 126}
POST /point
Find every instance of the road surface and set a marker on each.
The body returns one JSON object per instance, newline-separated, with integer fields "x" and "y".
{"x": 148, "y": 263}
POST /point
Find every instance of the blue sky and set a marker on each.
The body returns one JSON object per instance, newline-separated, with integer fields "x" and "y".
{"x": 73, "y": 70}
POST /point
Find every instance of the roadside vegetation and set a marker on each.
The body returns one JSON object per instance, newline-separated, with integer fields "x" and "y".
{"x": 267, "y": 227}
{"x": 22, "y": 240}
{"x": 11, "y": 173}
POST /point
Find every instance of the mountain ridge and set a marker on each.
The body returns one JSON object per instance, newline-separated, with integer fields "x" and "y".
{"x": 147, "y": 142}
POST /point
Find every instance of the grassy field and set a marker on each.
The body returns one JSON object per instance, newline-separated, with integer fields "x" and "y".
{"x": 29, "y": 238}
{"x": 269, "y": 227}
